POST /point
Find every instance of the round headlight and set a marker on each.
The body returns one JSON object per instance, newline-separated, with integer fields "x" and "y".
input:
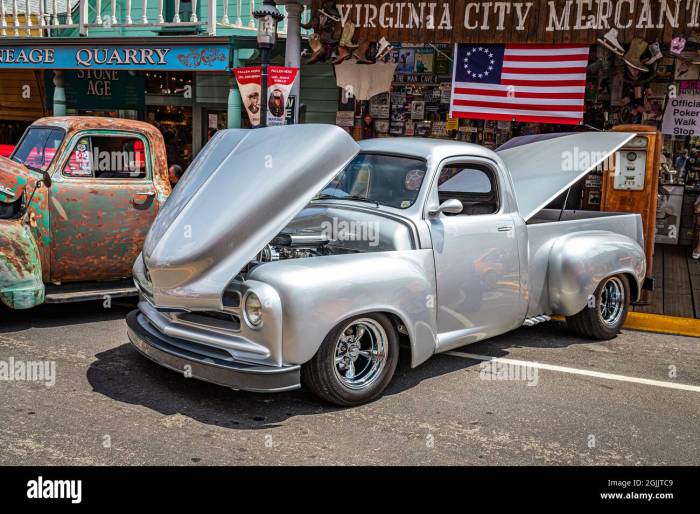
{"x": 253, "y": 310}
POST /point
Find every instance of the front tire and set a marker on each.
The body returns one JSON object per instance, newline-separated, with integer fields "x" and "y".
{"x": 355, "y": 362}
{"x": 603, "y": 318}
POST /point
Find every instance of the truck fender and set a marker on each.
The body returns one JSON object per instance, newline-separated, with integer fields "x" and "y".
{"x": 578, "y": 262}
{"x": 21, "y": 285}
{"x": 317, "y": 298}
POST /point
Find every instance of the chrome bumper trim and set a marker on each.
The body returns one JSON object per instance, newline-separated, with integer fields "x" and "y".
{"x": 237, "y": 375}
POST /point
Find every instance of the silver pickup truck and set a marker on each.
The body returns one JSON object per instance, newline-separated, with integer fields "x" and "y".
{"x": 294, "y": 255}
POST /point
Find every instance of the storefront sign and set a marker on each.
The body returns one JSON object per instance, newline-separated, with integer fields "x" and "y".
{"x": 279, "y": 84}
{"x": 682, "y": 116}
{"x": 172, "y": 58}
{"x": 573, "y": 21}
{"x": 100, "y": 89}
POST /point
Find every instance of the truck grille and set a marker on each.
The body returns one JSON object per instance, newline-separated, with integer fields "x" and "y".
{"x": 210, "y": 320}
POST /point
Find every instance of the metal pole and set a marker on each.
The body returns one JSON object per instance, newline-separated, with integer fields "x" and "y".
{"x": 264, "y": 58}
{"x": 293, "y": 50}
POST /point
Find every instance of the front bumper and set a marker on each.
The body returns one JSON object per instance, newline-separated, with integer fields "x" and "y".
{"x": 180, "y": 356}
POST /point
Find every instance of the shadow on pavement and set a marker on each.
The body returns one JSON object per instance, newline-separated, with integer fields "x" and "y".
{"x": 62, "y": 314}
{"x": 124, "y": 375}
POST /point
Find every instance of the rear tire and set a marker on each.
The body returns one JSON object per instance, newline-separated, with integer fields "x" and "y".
{"x": 355, "y": 362}
{"x": 603, "y": 320}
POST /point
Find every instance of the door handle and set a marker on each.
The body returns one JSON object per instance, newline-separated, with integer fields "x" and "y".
{"x": 505, "y": 228}
{"x": 142, "y": 197}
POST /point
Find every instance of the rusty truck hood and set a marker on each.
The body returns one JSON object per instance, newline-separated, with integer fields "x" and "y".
{"x": 13, "y": 179}
{"x": 243, "y": 188}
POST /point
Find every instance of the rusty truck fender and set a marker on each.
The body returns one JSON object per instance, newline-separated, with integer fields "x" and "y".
{"x": 21, "y": 284}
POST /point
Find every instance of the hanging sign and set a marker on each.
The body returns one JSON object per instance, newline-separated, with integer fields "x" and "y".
{"x": 279, "y": 84}
{"x": 534, "y": 21}
{"x": 248, "y": 79}
{"x": 147, "y": 57}
{"x": 682, "y": 116}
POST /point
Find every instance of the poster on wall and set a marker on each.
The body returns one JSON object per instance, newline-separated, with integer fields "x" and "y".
{"x": 417, "y": 110}
{"x": 345, "y": 118}
{"x": 687, "y": 71}
{"x": 682, "y": 116}
{"x": 279, "y": 83}
{"x": 407, "y": 58}
{"x": 424, "y": 60}
{"x": 668, "y": 213}
{"x": 379, "y": 106}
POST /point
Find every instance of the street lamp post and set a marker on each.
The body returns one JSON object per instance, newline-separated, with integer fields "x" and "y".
{"x": 268, "y": 17}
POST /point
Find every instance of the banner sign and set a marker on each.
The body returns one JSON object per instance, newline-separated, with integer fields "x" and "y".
{"x": 150, "y": 57}
{"x": 682, "y": 116}
{"x": 527, "y": 21}
{"x": 279, "y": 83}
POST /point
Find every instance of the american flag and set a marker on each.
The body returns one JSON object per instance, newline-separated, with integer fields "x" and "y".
{"x": 535, "y": 83}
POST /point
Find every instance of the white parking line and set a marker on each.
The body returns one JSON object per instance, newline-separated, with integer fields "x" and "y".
{"x": 575, "y": 371}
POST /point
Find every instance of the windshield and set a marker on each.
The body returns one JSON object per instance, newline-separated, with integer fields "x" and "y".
{"x": 38, "y": 147}
{"x": 382, "y": 179}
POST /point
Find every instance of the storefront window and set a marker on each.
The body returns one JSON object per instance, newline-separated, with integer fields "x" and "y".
{"x": 169, "y": 83}
{"x": 175, "y": 123}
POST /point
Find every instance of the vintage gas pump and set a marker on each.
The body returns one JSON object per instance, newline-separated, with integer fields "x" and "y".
{"x": 632, "y": 183}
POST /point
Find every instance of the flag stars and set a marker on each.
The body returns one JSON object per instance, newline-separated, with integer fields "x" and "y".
{"x": 484, "y": 69}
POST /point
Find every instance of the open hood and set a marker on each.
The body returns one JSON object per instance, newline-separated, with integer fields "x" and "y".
{"x": 13, "y": 180}
{"x": 243, "y": 188}
{"x": 545, "y": 165}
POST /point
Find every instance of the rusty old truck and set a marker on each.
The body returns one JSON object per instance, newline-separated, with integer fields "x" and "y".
{"x": 77, "y": 197}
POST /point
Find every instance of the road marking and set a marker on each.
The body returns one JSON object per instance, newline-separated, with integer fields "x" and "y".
{"x": 575, "y": 371}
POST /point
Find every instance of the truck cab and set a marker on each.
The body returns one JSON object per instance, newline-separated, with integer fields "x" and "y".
{"x": 77, "y": 197}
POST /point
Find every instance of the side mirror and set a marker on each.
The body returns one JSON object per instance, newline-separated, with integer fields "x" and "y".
{"x": 451, "y": 206}
{"x": 46, "y": 178}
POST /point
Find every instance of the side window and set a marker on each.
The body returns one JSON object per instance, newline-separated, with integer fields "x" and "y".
{"x": 472, "y": 184}
{"x": 108, "y": 157}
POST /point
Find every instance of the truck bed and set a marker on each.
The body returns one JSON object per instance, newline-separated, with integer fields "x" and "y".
{"x": 544, "y": 228}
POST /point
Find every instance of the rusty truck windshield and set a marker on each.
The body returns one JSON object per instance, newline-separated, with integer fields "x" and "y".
{"x": 389, "y": 180}
{"x": 38, "y": 147}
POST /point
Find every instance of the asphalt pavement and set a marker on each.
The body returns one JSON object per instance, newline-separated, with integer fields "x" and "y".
{"x": 548, "y": 398}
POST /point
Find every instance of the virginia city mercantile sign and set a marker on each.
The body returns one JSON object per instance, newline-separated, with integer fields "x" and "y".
{"x": 562, "y": 21}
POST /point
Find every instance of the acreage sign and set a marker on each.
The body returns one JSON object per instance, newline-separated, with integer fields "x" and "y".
{"x": 534, "y": 21}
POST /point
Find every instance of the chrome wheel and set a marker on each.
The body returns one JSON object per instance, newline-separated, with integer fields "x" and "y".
{"x": 612, "y": 302}
{"x": 360, "y": 353}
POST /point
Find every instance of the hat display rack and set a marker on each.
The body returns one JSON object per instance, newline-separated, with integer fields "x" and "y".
{"x": 633, "y": 78}
{"x": 336, "y": 42}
